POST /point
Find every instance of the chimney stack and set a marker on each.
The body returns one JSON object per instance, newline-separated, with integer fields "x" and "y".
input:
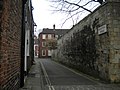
{"x": 54, "y": 26}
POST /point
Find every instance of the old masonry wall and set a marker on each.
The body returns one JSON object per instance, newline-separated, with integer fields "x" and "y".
{"x": 93, "y": 45}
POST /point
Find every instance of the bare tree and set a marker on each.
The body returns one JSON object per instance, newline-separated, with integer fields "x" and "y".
{"x": 74, "y": 8}
{"x": 51, "y": 44}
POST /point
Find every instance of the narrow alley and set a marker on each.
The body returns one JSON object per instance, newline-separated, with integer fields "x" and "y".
{"x": 78, "y": 56}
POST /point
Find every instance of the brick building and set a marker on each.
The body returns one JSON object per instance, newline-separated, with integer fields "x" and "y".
{"x": 49, "y": 35}
{"x": 12, "y": 42}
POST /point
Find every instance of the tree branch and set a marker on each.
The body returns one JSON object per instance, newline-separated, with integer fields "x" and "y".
{"x": 78, "y": 6}
{"x": 73, "y": 7}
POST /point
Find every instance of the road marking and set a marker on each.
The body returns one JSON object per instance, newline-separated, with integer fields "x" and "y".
{"x": 47, "y": 77}
{"x": 83, "y": 75}
{"x": 52, "y": 88}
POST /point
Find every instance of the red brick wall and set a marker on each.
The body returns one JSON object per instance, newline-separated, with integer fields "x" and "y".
{"x": 10, "y": 44}
{"x": 41, "y": 48}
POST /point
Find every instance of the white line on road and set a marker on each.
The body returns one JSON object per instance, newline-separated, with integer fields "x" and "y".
{"x": 47, "y": 77}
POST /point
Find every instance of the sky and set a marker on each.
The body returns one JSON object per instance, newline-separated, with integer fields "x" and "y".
{"x": 45, "y": 18}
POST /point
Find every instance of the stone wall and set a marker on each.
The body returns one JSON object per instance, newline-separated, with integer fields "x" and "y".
{"x": 10, "y": 44}
{"x": 93, "y": 45}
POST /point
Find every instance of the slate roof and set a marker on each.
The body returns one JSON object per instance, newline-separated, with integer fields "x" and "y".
{"x": 47, "y": 31}
{"x": 59, "y": 32}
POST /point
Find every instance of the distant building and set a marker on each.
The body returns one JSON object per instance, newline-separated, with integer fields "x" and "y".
{"x": 47, "y": 35}
{"x": 35, "y": 46}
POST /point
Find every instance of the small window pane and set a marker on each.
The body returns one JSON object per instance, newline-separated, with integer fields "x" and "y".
{"x": 43, "y": 36}
{"x": 49, "y": 36}
{"x": 43, "y": 52}
{"x": 43, "y": 44}
{"x": 49, "y": 52}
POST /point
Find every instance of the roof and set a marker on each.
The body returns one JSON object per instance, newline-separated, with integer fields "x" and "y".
{"x": 47, "y": 31}
{"x": 54, "y": 31}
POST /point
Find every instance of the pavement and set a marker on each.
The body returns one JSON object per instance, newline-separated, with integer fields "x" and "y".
{"x": 33, "y": 80}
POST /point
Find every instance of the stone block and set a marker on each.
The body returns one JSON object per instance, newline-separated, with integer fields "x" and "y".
{"x": 114, "y": 71}
{"x": 114, "y": 57}
{"x": 114, "y": 78}
{"x": 116, "y": 30}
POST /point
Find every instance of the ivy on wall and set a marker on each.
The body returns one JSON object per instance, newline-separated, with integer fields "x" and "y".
{"x": 80, "y": 50}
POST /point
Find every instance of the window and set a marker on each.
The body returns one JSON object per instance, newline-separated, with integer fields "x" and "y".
{"x": 43, "y": 44}
{"x": 43, "y": 36}
{"x": 56, "y": 36}
{"x": 49, "y": 52}
{"x": 49, "y": 36}
{"x": 43, "y": 52}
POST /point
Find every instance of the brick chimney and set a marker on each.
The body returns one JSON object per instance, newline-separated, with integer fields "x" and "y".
{"x": 54, "y": 26}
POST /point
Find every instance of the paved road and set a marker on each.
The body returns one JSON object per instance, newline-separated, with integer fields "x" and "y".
{"x": 58, "y": 77}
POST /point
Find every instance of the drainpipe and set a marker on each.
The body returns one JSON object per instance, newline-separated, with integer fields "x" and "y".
{"x": 22, "y": 45}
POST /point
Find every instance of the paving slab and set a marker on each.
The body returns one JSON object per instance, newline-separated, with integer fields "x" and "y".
{"x": 33, "y": 80}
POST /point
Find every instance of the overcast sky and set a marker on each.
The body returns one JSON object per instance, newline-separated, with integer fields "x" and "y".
{"x": 44, "y": 17}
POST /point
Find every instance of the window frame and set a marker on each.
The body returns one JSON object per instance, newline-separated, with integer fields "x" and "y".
{"x": 43, "y": 44}
{"x": 43, "y": 36}
{"x": 49, "y": 36}
{"x": 43, "y": 52}
{"x": 49, "y": 52}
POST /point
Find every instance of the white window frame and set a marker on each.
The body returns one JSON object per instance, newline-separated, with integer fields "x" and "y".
{"x": 43, "y": 36}
{"x": 43, "y": 44}
{"x": 49, "y": 36}
{"x": 43, "y": 51}
{"x": 49, "y": 53}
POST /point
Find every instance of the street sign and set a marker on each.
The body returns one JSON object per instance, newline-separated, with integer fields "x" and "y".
{"x": 102, "y": 29}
